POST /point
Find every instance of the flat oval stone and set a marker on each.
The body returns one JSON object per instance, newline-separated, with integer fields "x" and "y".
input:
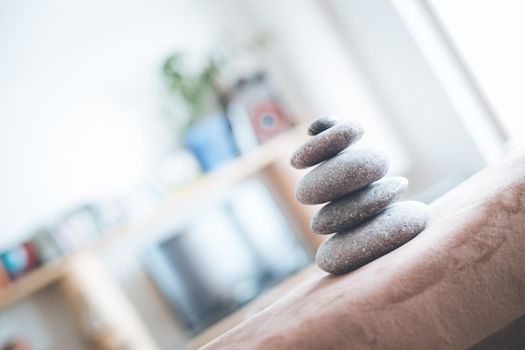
{"x": 326, "y": 144}
{"x": 321, "y": 125}
{"x": 343, "y": 174}
{"x": 396, "y": 225}
{"x": 359, "y": 206}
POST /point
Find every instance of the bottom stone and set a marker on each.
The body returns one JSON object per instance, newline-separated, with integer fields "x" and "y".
{"x": 396, "y": 225}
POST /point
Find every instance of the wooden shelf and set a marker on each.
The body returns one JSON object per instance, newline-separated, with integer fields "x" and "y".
{"x": 32, "y": 282}
{"x": 229, "y": 174}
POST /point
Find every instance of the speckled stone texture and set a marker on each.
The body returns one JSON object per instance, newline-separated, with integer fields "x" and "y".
{"x": 359, "y": 206}
{"x": 362, "y": 215}
{"x": 321, "y": 125}
{"x": 343, "y": 174}
{"x": 396, "y": 225}
{"x": 326, "y": 144}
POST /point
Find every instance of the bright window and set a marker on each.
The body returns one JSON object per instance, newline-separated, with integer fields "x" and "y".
{"x": 489, "y": 37}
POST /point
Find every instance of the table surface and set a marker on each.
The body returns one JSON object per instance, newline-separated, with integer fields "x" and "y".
{"x": 269, "y": 297}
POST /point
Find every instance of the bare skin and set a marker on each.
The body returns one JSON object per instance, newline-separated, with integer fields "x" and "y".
{"x": 456, "y": 283}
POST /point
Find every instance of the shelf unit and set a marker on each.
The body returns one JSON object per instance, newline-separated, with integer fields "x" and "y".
{"x": 261, "y": 158}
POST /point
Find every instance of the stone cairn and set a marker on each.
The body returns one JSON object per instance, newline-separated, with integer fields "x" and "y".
{"x": 363, "y": 212}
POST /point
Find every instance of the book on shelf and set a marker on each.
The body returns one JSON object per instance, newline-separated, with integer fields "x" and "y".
{"x": 78, "y": 228}
{"x": 242, "y": 128}
{"x": 4, "y": 276}
{"x": 47, "y": 247}
{"x": 255, "y": 113}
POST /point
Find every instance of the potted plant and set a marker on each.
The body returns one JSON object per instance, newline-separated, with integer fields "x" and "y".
{"x": 205, "y": 130}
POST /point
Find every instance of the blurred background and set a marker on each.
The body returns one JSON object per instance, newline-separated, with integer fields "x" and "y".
{"x": 146, "y": 196}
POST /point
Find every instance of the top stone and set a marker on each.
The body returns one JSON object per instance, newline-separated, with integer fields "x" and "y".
{"x": 326, "y": 144}
{"x": 321, "y": 124}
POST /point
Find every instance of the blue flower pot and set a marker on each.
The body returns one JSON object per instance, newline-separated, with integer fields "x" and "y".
{"x": 211, "y": 141}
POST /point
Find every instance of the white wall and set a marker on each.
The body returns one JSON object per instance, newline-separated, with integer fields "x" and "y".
{"x": 489, "y": 37}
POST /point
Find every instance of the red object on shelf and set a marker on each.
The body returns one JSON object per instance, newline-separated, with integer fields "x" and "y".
{"x": 268, "y": 120}
{"x": 4, "y": 276}
{"x": 32, "y": 256}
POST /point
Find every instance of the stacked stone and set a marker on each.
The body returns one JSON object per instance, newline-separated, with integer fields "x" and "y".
{"x": 363, "y": 212}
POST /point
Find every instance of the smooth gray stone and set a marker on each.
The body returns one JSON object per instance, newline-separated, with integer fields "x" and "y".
{"x": 357, "y": 207}
{"x": 321, "y": 125}
{"x": 396, "y": 225}
{"x": 343, "y": 174}
{"x": 326, "y": 144}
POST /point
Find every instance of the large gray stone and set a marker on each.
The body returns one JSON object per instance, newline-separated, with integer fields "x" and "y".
{"x": 326, "y": 144}
{"x": 396, "y": 225}
{"x": 357, "y": 207}
{"x": 343, "y": 174}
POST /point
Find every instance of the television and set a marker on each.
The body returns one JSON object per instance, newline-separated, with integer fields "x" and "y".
{"x": 225, "y": 257}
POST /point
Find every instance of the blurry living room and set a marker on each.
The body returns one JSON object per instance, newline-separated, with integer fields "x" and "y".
{"x": 147, "y": 196}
